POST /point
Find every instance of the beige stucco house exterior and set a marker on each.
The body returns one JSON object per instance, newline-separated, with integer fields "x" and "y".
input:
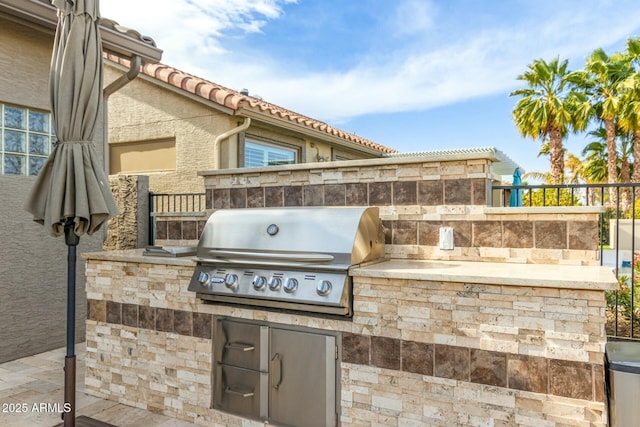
{"x": 169, "y": 125}
{"x": 33, "y": 264}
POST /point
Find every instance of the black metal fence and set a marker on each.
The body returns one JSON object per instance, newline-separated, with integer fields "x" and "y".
{"x": 617, "y": 233}
{"x": 173, "y": 204}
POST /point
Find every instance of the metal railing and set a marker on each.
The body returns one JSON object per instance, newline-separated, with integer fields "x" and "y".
{"x": 621, "y": 201}
{"x": 176, "y": 204}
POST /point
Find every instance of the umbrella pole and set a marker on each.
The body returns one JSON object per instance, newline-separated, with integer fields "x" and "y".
{"x": 70, "y": 360}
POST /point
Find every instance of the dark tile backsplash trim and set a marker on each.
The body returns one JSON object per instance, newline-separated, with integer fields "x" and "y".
{"x": 578, "y": 380}
{"x": 463, "y": 191}
{"x": 558, "y": 234}
{"x": 186, "y": 323}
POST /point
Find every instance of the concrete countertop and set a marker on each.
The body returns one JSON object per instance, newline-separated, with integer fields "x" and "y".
{"x": 493, "y": 273}
{"x": 136, "y": 255}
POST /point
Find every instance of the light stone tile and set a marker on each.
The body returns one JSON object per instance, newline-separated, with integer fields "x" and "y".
{"x": 490, "y": 343}
{"x": 364, "y": 376}
{"x": 533, "y": 422}
{"x": 387, "y": 403}
{"x": 567, "y": 353}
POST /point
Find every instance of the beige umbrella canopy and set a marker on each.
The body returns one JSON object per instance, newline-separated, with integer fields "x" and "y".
{"x": 71, "y": 194}
{"x": 72, "y": 184}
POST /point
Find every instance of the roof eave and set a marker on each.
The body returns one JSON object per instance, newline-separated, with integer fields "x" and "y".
{"x": 308, "y": 131}
{"x": 127, "y": 47}
{"x": 44, "y": 15}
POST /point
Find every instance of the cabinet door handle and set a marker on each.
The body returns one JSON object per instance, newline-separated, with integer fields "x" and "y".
{"x": 276, "y": 370}
{"x": 239, "y": 346}
{"x": 229, "y": 390}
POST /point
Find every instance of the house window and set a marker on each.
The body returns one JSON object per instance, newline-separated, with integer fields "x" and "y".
{"x": 263, "y": 154}
{"x": 26, "y": 139}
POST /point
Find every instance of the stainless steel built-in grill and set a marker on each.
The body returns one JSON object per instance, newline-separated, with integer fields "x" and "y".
{"x": 289, "y": 258}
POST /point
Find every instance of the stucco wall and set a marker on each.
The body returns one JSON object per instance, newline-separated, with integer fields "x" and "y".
{"x": 25, "y": 55}
{"x": 33, "y": 265}
{"x": 142, "y": 111}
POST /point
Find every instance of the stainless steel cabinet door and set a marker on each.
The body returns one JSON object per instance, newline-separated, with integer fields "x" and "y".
{"x": 240, "y": 344}
{"x": 302, "y": 379}
{"x": 241, "y": 391}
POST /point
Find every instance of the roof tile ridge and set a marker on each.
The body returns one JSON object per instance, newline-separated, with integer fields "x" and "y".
{"x": 199, "y": 86}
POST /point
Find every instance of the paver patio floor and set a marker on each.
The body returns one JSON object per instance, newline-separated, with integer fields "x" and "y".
{"x": 39, "y": 380}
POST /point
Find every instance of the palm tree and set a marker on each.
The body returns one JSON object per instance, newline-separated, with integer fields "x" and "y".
{"x": 573, "y": 174}
{"x": 596, "y": 162}
{"x": 549, "y": 108}
{"x": 601, "y": 81}
{"x": 574, "y": 169}
{"x": 629, "y": 118}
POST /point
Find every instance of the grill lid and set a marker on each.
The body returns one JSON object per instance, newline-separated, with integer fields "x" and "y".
{"x": 331, "y": 236}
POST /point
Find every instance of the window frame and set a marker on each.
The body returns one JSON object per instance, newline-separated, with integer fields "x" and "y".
{"x": 296, "y": 149}
{"x": 28, "y": 133}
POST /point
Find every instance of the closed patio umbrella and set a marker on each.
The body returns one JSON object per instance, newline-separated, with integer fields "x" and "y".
{"x": 71, "y": 195}
{"x": 516, "y": 194}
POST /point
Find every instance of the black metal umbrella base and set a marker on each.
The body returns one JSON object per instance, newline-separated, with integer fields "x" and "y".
{"x": 83, "y": 421}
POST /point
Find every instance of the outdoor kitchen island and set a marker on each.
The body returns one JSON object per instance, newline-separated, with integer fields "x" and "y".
{"x": 430, "y": 342}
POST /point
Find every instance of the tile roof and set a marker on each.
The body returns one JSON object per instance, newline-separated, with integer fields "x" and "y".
{"x": 236, "y": 101}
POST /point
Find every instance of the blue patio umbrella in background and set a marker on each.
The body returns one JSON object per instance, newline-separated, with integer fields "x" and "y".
{"x": 516, "y": 194}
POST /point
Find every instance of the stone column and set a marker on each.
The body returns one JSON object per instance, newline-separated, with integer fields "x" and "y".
{"x": 130, "y": 229}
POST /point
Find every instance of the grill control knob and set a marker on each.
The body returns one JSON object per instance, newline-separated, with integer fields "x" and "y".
{"x": 259, "y": 282}
{"x": 323, "y": 288}
{"x": 291, "y": 285}
{"x": 231, "y": 284}
{"x": 230, "y": 280}
{"x": 275, "y": 283}
{"x": 203, "y": 278}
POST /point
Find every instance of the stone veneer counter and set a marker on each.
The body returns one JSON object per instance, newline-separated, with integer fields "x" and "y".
{"x": 430, "y": 343}
{"x": 497, "y": 273}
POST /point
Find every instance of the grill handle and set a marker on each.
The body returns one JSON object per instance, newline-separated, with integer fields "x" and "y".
{"x": 276, "y": 256}
{"x": 276, "y": 368}
{"x": 229, "y": 390}
{"x": 239, "y": 346}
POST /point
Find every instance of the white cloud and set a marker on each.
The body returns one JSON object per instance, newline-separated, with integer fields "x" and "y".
{"x": 413, "y": 16}
{"x": 193, "y": 27}
{"x": 469, "y": 63}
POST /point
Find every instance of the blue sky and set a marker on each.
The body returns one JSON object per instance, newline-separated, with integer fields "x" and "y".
{"x": 409, "y": 74}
